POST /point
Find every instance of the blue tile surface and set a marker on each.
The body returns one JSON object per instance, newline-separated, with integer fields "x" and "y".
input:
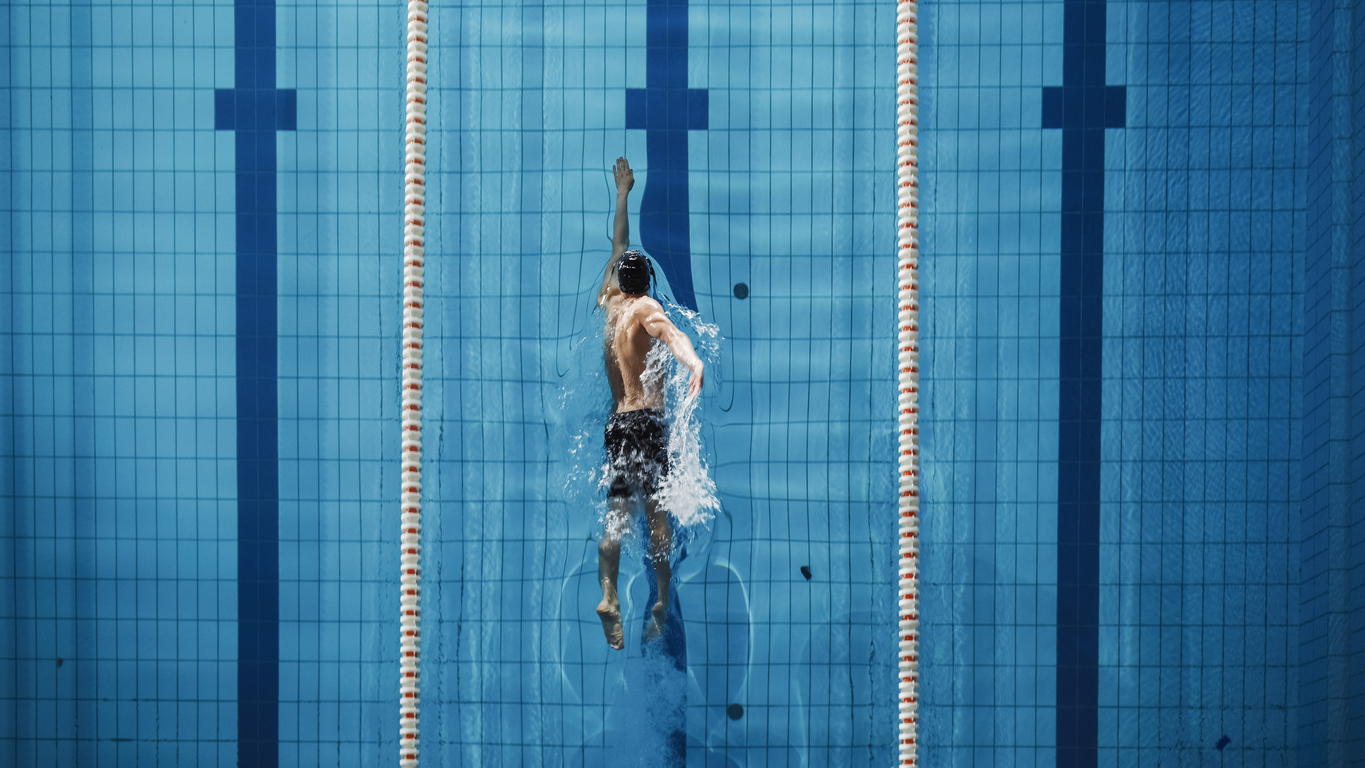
{"x": 203, "y": 199}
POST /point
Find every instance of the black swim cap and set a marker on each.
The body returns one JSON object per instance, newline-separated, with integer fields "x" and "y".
{"x": 633, "y": 272}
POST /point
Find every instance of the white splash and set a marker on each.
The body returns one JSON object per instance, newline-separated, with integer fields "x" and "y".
{"x": 688, "y": 492}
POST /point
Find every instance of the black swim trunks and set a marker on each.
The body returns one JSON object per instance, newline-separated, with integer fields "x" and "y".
{"x": 637, "y": 449}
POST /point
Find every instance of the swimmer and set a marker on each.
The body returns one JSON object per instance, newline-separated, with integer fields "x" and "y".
{"x": 637, "y": 432}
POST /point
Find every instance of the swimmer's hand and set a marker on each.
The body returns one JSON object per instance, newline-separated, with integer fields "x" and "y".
{"x": 695, "y": 383}
{"x": 625, "y": 177}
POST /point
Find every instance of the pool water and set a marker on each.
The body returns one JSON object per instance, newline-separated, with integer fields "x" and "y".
{"x": 1139, "y": 324}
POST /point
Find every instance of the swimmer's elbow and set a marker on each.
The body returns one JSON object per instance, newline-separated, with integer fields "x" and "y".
{"x": 671, "y": 336}
{"x": 682, "y": 349}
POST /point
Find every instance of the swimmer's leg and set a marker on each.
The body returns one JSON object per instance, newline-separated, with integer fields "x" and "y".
{"x": 660, "y": 549}
{"x": 608, "y": 566}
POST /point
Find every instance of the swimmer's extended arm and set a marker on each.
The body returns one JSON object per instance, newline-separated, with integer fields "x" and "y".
{"x": 620, "y": 239}
{"x": 625, "y": 181}
{"x": 658, "y": 325}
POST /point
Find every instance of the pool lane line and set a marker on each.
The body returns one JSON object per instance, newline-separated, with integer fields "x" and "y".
{"x": 666, "y": 109}
{"x": 255, "y": 110}
{"x": 1082, "y": 107}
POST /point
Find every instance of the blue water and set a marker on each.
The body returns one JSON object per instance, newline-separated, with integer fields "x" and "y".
{"x": 1142, "y": 342}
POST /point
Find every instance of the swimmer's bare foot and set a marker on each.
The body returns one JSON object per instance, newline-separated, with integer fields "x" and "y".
{"x": 610, "y": 614}
{"x": 655, "y": 626}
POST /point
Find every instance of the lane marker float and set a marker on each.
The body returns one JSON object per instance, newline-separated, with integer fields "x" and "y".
{"x": 907, "y": 342}
{"x": 414, "y": 260}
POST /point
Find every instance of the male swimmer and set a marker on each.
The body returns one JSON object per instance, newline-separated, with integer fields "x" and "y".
{"x": 636, "y": 434}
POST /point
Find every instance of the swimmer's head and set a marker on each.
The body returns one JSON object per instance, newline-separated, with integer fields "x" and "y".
{"x": 633, "y": 272}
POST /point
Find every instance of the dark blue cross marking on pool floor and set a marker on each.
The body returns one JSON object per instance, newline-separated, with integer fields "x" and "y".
{"x": 666, "y": 109}
{"x": 1083, "y": 107}
{"x": 255, "y": 109}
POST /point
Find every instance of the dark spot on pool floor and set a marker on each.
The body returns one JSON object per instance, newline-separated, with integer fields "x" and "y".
{"x": 805, "y": 571}
{"x": 1223, "y": 742}
{"x": 734, "y": 711}
{"x": 741, "y": 291}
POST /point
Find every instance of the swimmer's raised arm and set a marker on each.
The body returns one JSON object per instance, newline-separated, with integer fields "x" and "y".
{"x": 625, "y": 181}
{"x": 658, "y": 325}
{"x": 620, "y": 240}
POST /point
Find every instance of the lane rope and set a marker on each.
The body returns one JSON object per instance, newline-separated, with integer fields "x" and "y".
{"x": 414, "y": 240}
{"x": 907, "y": 326}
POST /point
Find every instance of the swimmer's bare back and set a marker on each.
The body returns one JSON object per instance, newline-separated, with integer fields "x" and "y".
{"x": 632, "y": 324}
{"x": 633, "y": 320}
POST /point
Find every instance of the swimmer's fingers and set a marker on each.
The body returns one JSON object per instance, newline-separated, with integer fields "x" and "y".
{"x": 625, "y": 178}
{"x": 694, "y": 386}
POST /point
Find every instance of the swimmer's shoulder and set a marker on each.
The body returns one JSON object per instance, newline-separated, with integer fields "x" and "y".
{"x": 644, "y": 309}
{"x": 647, "y": 305}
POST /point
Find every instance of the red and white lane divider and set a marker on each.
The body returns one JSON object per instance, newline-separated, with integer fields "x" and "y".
{"x": 414, "y": 240}
{"x": 907, "y": 324}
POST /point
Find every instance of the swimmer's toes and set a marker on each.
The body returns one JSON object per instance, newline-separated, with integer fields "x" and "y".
{"x": 611, "y": 624}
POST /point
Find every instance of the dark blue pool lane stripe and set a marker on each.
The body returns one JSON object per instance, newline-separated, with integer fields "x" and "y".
{"x": 666, "y": 109}
{"x": 1083, "y": 107}
{"x": 255, "y": 110}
